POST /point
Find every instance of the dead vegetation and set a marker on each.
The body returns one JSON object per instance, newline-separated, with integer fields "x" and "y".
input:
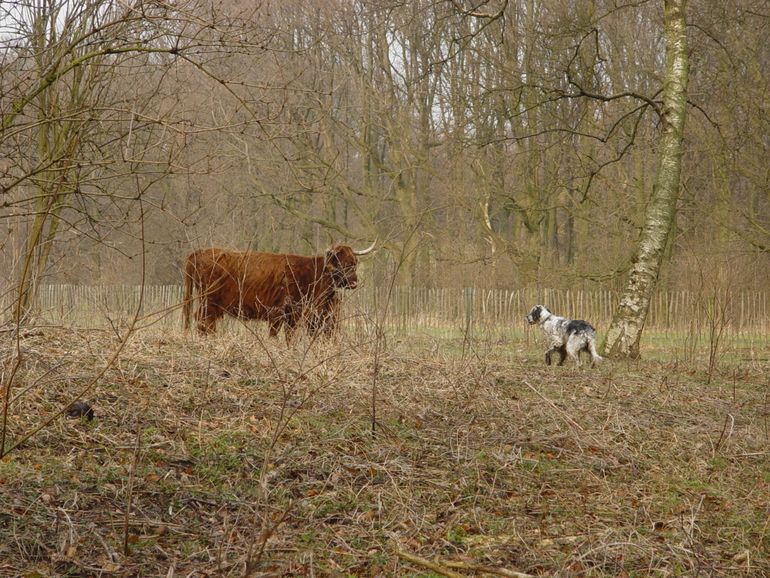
{"x": 231, "y": 457}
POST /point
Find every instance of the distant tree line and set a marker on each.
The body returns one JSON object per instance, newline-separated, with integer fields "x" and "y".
{"x": 506, "y": 143}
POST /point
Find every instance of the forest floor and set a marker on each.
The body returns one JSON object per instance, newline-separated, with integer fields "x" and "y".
{"x": 233, "y": 457}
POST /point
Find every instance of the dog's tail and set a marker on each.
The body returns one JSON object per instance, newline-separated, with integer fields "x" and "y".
{"x": 595, "y": 357}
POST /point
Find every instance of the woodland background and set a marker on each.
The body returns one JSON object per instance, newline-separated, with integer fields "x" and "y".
{"x": 496, "y": 144}
{"x": 498, "y": 151}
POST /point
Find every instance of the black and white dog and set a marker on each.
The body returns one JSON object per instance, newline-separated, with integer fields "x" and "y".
{"x": 567, "y": 336}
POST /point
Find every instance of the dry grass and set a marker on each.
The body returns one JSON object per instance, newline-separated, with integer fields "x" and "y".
{"x": 227, "y": 457}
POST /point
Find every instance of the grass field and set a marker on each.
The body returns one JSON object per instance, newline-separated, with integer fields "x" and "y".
{"x": 231, "y": 457}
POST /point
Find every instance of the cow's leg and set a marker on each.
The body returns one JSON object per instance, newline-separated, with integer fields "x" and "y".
{"x": 201, "y": 318}
{"x": 276, "y": 317}
{"x": 316, "y": 323}
{"x": 329, "y": 320}
{"x": 275, "y": 326}
{"x": 289, "y": 327}
{"x": 207, "y": 316}
{"x": 329, "y": 326}
{"x": 207, "y": 325}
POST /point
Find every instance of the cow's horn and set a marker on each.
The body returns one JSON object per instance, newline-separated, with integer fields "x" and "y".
{"x": 366, "y": 251}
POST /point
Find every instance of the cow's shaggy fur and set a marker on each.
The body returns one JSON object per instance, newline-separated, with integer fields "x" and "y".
{"x": 565, "y": 336}
{"x": 285, "y": 290}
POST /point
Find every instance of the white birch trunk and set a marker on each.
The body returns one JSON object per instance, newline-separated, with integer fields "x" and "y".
{"x": 625, "y": 332}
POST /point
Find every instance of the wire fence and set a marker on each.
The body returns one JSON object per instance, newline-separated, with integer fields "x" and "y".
{"x": 409, "y": 310}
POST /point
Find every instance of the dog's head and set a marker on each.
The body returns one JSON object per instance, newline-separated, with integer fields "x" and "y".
{"x": 538, "y": 314}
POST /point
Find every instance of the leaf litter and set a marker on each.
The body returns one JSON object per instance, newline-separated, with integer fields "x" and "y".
{"x": 235, "y": 456}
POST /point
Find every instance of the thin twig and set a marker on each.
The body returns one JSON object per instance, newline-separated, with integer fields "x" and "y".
{"x": 563, "y": 415}
{"x": 253, "y": 560}
{"x": 476, "y": 568}
{"x": 129, "y": 498}
{"x": 427, "y": 564}
{"x": 728, "y": 418}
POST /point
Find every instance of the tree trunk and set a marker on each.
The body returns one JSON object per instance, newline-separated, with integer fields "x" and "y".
{"x": 625, "y": 332}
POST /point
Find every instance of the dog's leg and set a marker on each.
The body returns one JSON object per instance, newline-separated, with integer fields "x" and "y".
{"x": 554, "y": 349}
{"x": 562, "y": 355}
{"x": 573, "y": 349}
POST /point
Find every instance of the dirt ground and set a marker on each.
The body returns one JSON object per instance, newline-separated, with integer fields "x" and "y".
{"x": 235, "y": 457}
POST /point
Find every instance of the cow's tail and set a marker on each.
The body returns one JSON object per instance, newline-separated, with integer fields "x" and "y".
{"x": 187, "y": 303}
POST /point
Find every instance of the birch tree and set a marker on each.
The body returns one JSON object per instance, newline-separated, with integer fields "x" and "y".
{"x": 625, "y": 332}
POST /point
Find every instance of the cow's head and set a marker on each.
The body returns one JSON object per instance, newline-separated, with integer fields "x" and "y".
{"x": 341, "y": 262}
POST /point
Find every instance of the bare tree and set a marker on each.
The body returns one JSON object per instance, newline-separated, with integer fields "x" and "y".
{"x": 625, "y": 333}
{"x": 488, "y": 142}
{"x": 92, "y": 118}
